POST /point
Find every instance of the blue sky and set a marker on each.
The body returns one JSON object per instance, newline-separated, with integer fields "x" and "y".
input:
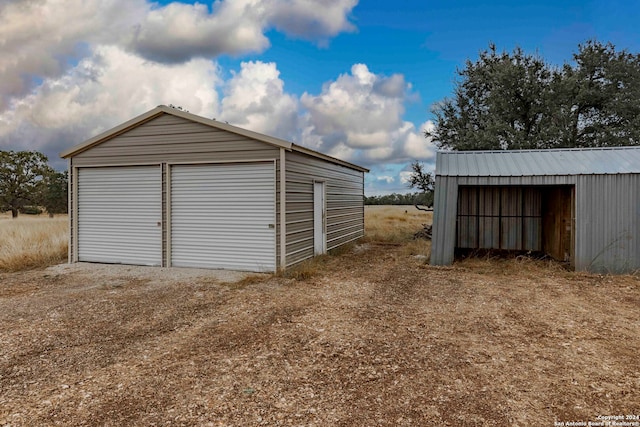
{"x": 354, "y": 79}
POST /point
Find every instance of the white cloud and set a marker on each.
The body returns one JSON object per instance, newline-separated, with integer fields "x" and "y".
{"x": 255, "y": 99}
{"x": 42, "y": 39}
{"x": 39, "y": 38}
{"x": 386, "y": 178}
{"x": 311, "y": 19}
{"x": 178, "y": 31}
{"x": 416, "y": 146}
{"x": 94, "y": 96}
{"x": 358, "y": 117}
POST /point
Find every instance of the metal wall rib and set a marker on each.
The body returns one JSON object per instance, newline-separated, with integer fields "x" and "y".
{"x": 606, "y": 215}
{"x": 344, "y": 202}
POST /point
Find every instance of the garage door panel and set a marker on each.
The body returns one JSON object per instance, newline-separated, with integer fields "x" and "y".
{"x": 223, "y": 216}
{"x": 118, "y": 213}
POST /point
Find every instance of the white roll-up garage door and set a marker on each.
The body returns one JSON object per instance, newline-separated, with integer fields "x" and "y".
{"x": 119, "y": 214}
{"x": 223, "y": 216}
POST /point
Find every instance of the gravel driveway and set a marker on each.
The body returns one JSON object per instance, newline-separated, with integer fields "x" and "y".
{"x": 375, "y": 338}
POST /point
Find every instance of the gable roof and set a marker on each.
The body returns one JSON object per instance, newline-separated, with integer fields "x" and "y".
{"x": 163, "y": 109}
{"x": 567, "y": 161}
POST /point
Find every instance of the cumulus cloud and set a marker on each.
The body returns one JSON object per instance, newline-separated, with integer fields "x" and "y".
{"x": 311, "y": 19}
{"x": 93, "y": 96}
{"x": 358, "y": 117}
{"x": 72, "y": 69}
{"x": 43, "y": 39}
{"x": 255, "y": 99}
{"x": 179, "y": 31}
{"x": 40, "y": 38}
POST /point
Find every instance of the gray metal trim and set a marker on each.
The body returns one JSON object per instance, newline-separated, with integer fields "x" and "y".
{"x": 167, "y": 261}
{"x": 283, "y": 209}
{"x": 558, "y": 162}
{"x": 70, "y": 212}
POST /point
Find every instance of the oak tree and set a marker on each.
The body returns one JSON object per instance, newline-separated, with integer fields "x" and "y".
{"x": 21, "y": 175}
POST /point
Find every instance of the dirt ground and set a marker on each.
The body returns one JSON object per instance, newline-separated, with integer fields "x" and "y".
{"x": 376, "y": 338}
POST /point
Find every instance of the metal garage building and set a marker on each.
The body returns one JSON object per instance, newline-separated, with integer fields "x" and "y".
{"x": 169, "y": 188}
{"x": 577, "y": 205}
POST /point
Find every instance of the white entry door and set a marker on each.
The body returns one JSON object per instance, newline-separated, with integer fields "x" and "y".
{"x": 319, "y": 219}
{"x": 223, "y": 216}
{"x": 119, "y": 215}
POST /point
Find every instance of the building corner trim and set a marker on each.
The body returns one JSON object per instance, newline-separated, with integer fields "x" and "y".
{"x": 283, "y": 209}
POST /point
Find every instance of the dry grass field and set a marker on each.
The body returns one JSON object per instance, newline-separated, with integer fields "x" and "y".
{"x": 32, "y": 241}
{"x": 370, "y": 336}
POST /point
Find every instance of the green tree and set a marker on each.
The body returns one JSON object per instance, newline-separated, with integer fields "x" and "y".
{"x": 54, "y": 192}
{"x": 518, "y": 101}
{"x": 497, "y": 103}
{"x": 21, "y": 175}
{"x": 598, "y": 98}
{"x": 422, "y": 180}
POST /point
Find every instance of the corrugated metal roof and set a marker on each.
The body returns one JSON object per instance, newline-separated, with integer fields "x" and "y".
{"x": 574, "y": 161}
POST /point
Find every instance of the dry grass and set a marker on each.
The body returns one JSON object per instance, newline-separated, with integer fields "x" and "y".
{"x": 393, "y": 224}
{"x": 31, "y": 242}
{"x": 397, "y": 225}
{"x": 306, "y": 269}
{"x": 524, "y": 266}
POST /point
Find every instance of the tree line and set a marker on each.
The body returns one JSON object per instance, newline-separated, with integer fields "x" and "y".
{"x": 28, "y": 183}
{"x": 416, "y": 198}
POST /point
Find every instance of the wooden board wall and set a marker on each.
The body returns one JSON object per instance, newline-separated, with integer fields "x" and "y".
{"x": 557, "y": 223}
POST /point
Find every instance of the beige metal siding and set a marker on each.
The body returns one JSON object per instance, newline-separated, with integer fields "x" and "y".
{"x": 170, "y": 139}
{"x": 174, "y": 139}
{"x": 344, "y": 201}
